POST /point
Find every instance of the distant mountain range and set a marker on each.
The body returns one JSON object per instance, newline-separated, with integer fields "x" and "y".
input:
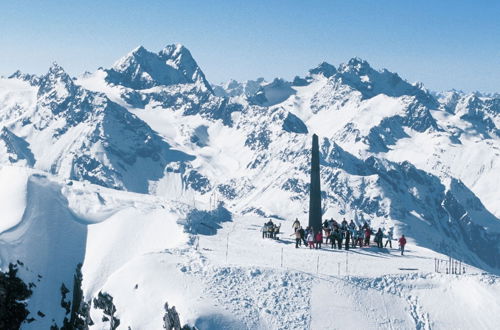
{"x": 393, "y": 153}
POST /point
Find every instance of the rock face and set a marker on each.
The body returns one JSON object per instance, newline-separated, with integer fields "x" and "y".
{"x": 104, "y": 301}
{"x": 15, "y": 149}
{"x": 315, "y": 211}
{"x": 171, "y": 320}
{"x": 13, "y": 293}
{"x": 142, "y": 69}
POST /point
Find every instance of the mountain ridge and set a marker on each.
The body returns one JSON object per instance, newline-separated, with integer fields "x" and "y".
{"x": 148, "y": 151}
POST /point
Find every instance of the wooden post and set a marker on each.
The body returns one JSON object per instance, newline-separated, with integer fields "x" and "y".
{"x": 347, "y": 263}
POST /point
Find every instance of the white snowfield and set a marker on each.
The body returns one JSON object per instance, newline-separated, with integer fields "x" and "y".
{"x": 133, "y": 247}
{"x": 158, "y": 184}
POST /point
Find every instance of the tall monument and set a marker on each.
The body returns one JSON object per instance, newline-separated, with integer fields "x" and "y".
{"x": 315, "y": 190}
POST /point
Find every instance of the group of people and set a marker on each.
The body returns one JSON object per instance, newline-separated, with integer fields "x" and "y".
{"x": 343, "y": 234}
{"x": 270, "y": 230}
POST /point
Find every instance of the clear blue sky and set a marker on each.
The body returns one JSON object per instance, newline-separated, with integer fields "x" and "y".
{"x": 444, "y": 44}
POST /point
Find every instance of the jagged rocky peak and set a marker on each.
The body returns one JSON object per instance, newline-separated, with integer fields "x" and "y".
{"x": 273, "y": 93}
{"x": 55, "y": 85}
{"x": 234, "y": 88}
{"x": 356, "y": 65}
{"x": 143, "y": 69}
{"x": 56, "y": 72}
{"x": 325, "y": 69}
{"x": 180, "y": 58}
{"x": 32, "y": 79}
{"x": 449, "y": 100}
{"x": 358, "y": 74}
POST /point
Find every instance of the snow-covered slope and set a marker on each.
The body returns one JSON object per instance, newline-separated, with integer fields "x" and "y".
{"x": 145, "y": 172}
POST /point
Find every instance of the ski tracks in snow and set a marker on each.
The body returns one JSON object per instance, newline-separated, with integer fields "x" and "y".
{"x": 420, "y": 317}
{"x": 262, "y": 298}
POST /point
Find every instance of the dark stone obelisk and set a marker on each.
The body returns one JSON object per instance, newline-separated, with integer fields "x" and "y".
{"x": 315, "y": 190}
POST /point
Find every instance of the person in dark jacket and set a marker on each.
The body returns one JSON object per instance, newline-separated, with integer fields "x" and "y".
{"x": 344, "y": 224}
{"x": 378, "y": 238}
{"x": 352, "y": 225}
{"x": 338, "y": 235}
{"x": 402, "y": 243}
{"x": 302, "y": 233}
{"x": 347, "y": 239}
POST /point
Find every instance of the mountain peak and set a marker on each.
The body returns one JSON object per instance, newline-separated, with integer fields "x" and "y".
{"x": 142, "y": 69}
{"x": 324, "y": 68}
{"x": 180, "y": 58}
{"x": 174, "y": 50}
{"x": 356, "y": 65}
{"x": 56, "y": 73}
{"x": 56, "y": 69}
{"x": 30, "y": 78}
{"x": 138, "y": 49}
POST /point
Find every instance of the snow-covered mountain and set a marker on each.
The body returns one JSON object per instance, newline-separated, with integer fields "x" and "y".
{"x": 137, "y": 165}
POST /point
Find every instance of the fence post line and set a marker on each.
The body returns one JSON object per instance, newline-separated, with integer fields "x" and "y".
{"x": 317, "y": 266}
{"x": 347, "y": 263}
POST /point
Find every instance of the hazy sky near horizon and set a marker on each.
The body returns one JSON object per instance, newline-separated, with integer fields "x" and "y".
{"x": 444, "y": 44}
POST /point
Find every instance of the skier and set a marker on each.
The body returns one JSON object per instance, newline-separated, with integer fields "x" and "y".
{"x": 310, "y": 239}
{"x": 327, "y": 231}
{"x": 390, "y": 235}
{"x": 402, "y": 243}
{"x": 302, "y": 235}
{"x": 359, "y": 236}
{"x": 353, "y": 237}
{"x": 265, "y": 231}
{"x": 344, "y": 224}
{"x": 332, "y": 238}
{"x": 347, "y": 239}
{"x": 338, "y": 237}
{"x": 270, "y": 228}
{"x": 298, "y": 237}
{"x": 296, "y": 224}
{"x": 378, "y": 238}
{"x": 352, "y": 225}
{"x": 368, "y": 233}
{"x": 319, "y": 239}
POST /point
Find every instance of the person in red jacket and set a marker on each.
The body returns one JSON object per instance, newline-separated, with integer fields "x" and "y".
{"x": 402, "y": 243}
{"x": 319, "y": 239}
